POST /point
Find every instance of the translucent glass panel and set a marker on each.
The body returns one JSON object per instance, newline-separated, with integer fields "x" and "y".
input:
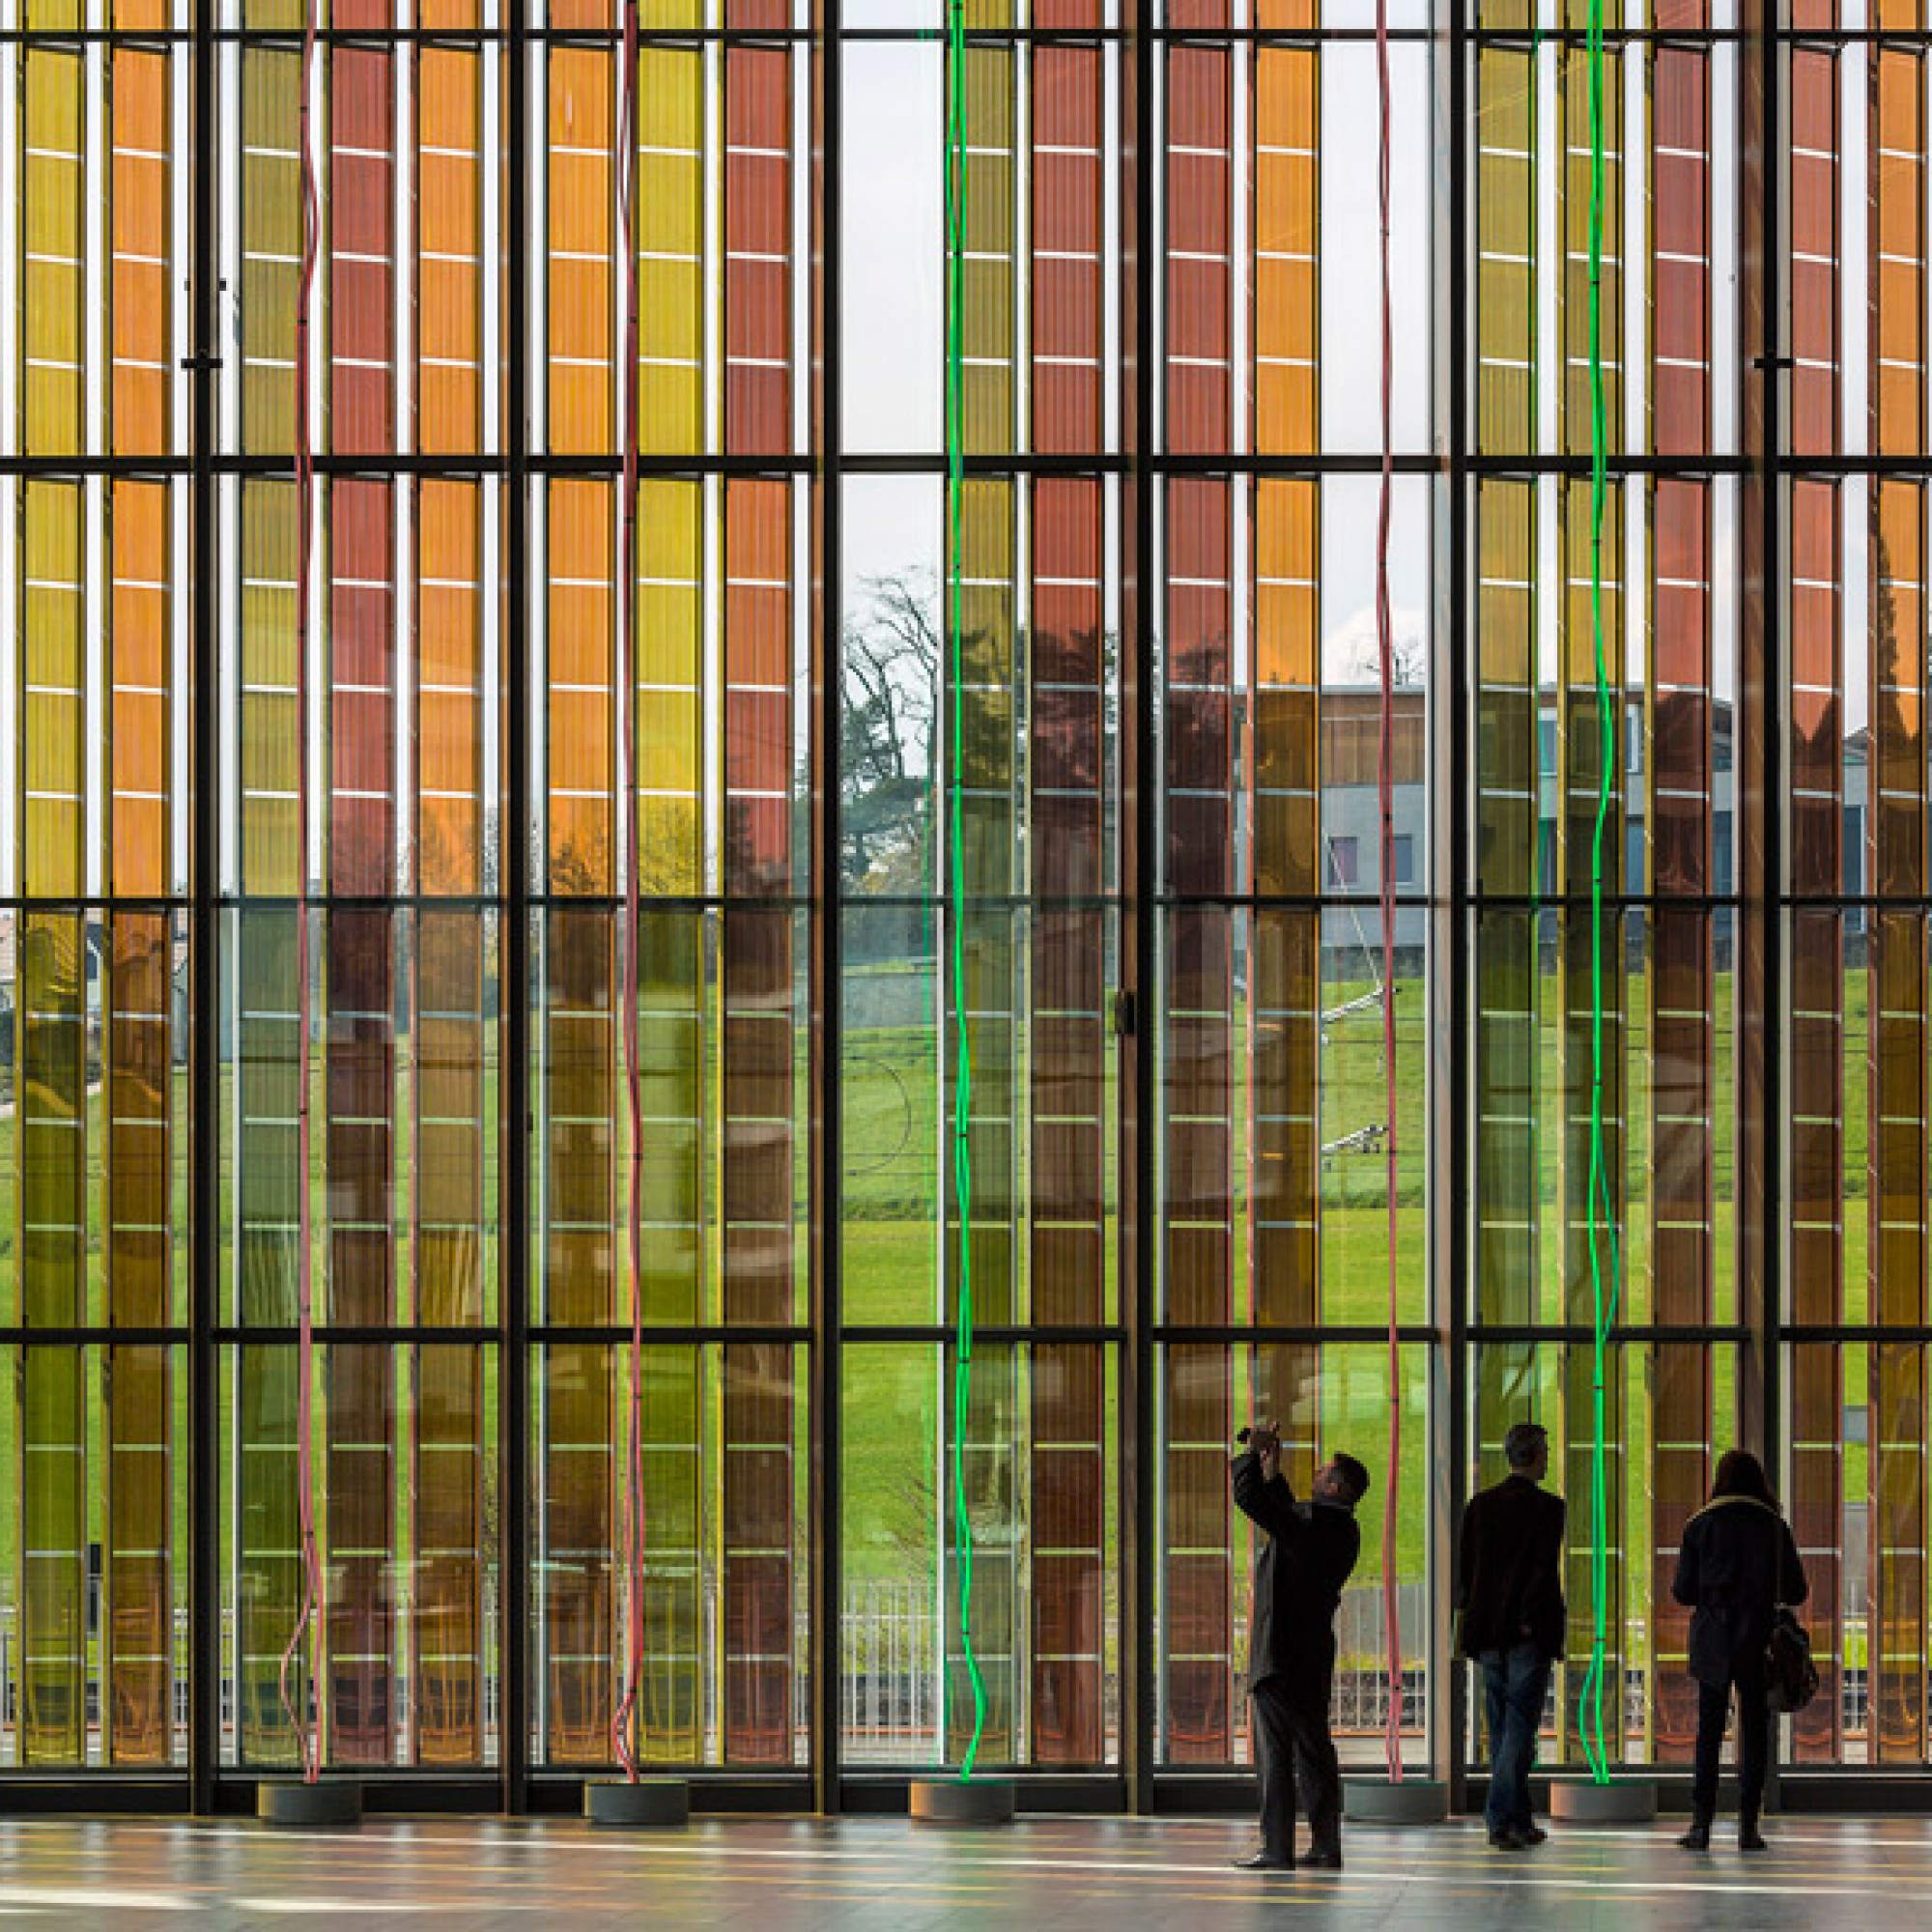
{"x": 94, "y": 946}
{"x": 1156, "y": 702}
{"x": 723, "y": 1678}
{"x": 1327, "y": 1397}
{"x": 409, "y": 1636}
{"x": 1046, "y": 1585}
{"x": 1669, "y": 1401}
{"x": 1669, "y": 1111}
{"x": 403, "y": 1181}
{"x": 1605, "y": 1026}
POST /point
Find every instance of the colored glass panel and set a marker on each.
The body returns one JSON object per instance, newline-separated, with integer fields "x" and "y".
{"x": 269, "y": 1063}
{"x": 1240, "y": 582}
{"x": 579, "y": 292}
{"x": 1067, "y": 1263}
{"x": 271, "y": 244}
{"x": 577, "y": 1389}
{"x": 671, "y": 251}
{"x": 52, "y": 238}
{"x": 1197, "y": 1247}
{"x": 1896, "y": 964}
{"x": 1815, "y": 866}
{"x": 758, "y": 1057}
{"x": 449, "y": 267}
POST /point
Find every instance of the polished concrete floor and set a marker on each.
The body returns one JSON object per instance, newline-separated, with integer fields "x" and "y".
{"x": 1051, "y": 1875}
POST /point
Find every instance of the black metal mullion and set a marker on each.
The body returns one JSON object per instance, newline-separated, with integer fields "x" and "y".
{"x": 1772, "y": 1177}
{"x": 827, "y": 992}
{"x": 204, "y": 1234}
{"x": 513, "y": 1745}
{"x": 1451, "y": 995}
{"x": 1139, "y": 1462}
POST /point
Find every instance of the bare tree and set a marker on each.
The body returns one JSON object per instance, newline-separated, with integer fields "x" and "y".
{"x": 885, "y": 763}
{"x": 1406, "y": 659}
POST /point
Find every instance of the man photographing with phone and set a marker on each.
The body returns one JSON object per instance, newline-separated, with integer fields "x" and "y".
{"x": 1308, "y": 1550}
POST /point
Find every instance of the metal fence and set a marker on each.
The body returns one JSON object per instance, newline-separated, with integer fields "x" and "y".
{"x": 891, "y": 1681}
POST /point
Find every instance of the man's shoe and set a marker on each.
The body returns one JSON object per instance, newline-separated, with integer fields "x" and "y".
{"x": 1509, "y": 1839}
{"x": 1752, "y": 1839}
{"x": 1699, "y": 1837}
{"x": 1262, "y": 1861}
{"x": 1532, "y": 1835}
{"x": 1322, "y": 1857}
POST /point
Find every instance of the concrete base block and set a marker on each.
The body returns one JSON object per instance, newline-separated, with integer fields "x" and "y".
{"x": 650, "y": 1803}
{"x": 959, "y": 1801}
{"x": 1380, "y": 1800}
{"x": 1623, "y": 1800}
{"x": 330, "y": 1801}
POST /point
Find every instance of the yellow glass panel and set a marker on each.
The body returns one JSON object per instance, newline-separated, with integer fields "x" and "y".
{"x": 270, "y": 747}
{"x": 1573, "y": 289}
{"x": 1505, "y": 243}
{"x": 53, "y": 709}
{"x": 987, "y": 282}
{"x": 271, "y": 246}
{"x": 671, "y": 673}
{"x": 671, "y": 251}
{"x": 51, "y": 286}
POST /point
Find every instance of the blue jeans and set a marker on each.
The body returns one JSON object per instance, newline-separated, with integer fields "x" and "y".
{"x": 1515, "y": 1681}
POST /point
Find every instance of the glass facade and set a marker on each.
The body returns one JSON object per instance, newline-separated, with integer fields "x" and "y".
{"x": 506, "y": 823}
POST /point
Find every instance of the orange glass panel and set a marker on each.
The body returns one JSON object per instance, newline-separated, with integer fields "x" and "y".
{"x": 582, "y": 223}
{"x": 757, "y": 250}
{"x": 448, "y": 745}
{"x": 449, "y": 243}
{"x": 141, "y": 295}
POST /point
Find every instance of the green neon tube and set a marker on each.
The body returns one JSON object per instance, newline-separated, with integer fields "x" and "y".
{"x": 962, "y": 1091}
{"x": 1604, "y": 1279}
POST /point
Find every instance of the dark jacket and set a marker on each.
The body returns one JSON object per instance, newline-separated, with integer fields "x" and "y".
{"x": 1509, "y": 1570}
{"x": 1306, "y": 1557}
{"x": 1739, "y": 1561}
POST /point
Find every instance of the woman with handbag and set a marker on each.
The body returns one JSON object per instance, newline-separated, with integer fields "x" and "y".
{"x": 1737, "y": 1563}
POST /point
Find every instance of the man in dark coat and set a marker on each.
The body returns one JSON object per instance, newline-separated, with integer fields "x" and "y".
{"x": 1308, "y": 1550}
{"x": 1738, "y": 1562}
{"x": 1509, "y": 1599}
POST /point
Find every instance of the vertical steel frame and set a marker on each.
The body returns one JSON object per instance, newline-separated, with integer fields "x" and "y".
{"x": 1452, "y": 1013}
{"x": 513, "y": 1389}
{"x": 204, "y": 1405}
{"x": 1140, "y": 938}
{"x": 827, "y": 1303}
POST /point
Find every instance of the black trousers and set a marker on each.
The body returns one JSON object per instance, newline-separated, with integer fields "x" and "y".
{"x": 1714, "y": 1709}
{"x": 1292, "y": 1745}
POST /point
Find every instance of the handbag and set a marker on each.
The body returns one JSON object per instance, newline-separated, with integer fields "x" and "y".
{"x": 1791, "y": 1678}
